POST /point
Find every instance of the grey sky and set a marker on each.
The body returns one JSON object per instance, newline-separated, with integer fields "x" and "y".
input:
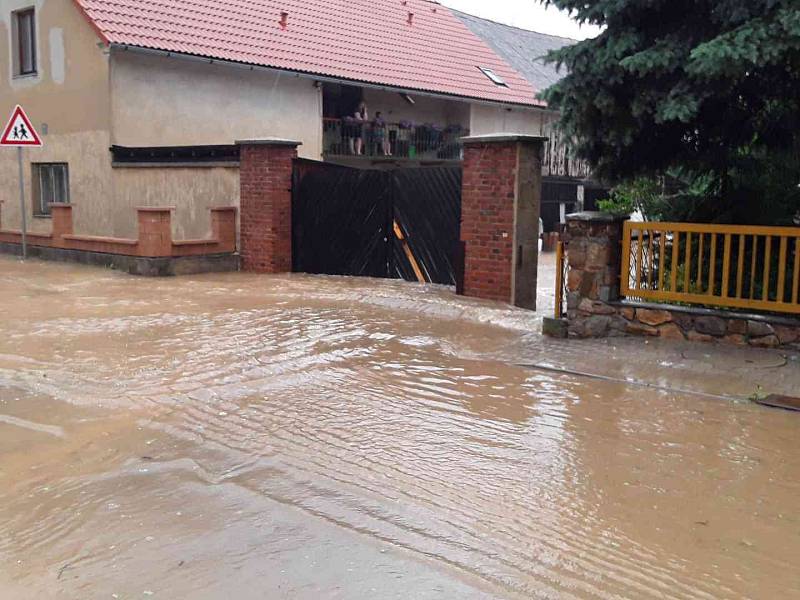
{"x": 528, "y": 14}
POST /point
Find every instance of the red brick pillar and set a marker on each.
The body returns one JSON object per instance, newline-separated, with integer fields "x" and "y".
{"x": 265, "y": 179}
{"x": 500, "y": 200}
{"x": 62, "y": 221}
{"x": 155, "y": 231}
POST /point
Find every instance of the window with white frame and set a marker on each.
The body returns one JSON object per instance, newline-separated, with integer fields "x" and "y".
{"x": 50, "y": 185}
{"x": 24, "y": 50}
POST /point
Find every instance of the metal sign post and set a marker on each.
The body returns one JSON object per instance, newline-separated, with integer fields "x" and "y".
{"x": 23, "y": 224}
{"x": 19, "y": 132}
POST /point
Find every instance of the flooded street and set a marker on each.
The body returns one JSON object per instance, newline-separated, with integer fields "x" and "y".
{"x": 242, "y": 436}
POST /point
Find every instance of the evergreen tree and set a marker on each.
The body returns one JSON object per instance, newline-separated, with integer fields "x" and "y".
{"x": 702, "y": 86}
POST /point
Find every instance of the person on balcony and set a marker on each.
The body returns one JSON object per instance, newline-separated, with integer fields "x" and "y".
{"x": 361, "y": 117}
{"x": 380, "y": 136}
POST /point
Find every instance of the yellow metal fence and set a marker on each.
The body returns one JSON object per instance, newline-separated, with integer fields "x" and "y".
{"x": 727, "y": 266}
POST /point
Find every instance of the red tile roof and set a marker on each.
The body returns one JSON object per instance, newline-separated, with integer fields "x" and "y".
{"x": 368, "y": 41}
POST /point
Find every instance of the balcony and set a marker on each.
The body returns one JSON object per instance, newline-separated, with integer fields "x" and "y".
{"x": 396, "y": 141}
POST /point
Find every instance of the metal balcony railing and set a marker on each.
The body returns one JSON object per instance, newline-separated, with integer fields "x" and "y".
{"x": 392, "y": 140}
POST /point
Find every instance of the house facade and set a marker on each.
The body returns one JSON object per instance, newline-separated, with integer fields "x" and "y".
{"x": 140, "y": 104}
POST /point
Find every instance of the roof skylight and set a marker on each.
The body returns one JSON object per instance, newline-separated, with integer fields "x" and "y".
{"x": 496, "y": 79}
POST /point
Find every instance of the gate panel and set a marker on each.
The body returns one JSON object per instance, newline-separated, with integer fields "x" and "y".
{"x": 344, "y": 219}
{"x": 341, "y": 221}
{"x": 427, "y": 207}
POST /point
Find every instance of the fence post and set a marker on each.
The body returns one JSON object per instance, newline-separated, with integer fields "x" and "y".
{"x": 265, "y": 179}
{"x": 594, "y": 266}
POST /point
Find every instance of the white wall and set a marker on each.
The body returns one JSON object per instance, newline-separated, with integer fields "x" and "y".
{"x": 529, "y": 121}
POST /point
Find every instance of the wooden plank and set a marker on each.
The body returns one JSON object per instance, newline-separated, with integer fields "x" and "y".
{"x": 782, "y": 267}
{"x": 676, "y": 247}
{"x": 687, "y": 267}
{"x": 740, "y": 267}
{"x": 662, "y": 250}
{"x": 712, "y": 266}
{"x": 726, "y": 266}
{"x": 559, "y": 278}
{"x": 639, "y": 259}
{"x": 722, "y": 229}
{"x": 651, "y": 261}
{"x": 409, "y": 254}
{"x": 705, "y": 299}
{"x": 700, "y": 258}
{"x": 796, "y": 284}
{"x": 753, "y": 268}
{"x": 767, "y": 258}
{"x": 625, "y": 276}
{"x": 776, "y": 401}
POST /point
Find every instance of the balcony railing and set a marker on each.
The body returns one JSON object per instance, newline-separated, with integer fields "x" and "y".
{"x": 392, "y": 140}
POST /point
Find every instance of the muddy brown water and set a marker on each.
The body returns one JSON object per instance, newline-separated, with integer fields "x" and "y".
{"x": 236, "y": 436}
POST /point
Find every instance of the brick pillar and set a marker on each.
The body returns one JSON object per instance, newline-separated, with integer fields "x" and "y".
{"x": 155, "y": 231}
{"x": 62, "y": 221}
{"x": 500, "y": 199}
{"x": 594, "y": 258}
{"x": 265, "y": 177}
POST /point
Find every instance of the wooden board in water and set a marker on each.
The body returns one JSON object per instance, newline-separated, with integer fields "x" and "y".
{"x": 785, "y": 402}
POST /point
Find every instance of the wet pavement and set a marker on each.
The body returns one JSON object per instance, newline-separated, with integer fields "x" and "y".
{"x": 315, "y": 437}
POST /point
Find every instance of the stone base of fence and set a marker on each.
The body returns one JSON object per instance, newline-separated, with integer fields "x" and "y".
{"x": 153, "y": 252}
{"x": 616, "y": 319}
{"x": 594, "y": 307}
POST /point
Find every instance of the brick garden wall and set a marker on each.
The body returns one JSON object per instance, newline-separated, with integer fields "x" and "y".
{"x": 266, "y": 206}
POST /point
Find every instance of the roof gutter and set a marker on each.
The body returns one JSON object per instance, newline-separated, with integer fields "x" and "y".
{"x": 322, "y": 78}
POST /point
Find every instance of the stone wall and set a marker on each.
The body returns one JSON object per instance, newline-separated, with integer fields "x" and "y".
{"x": 594, "y": 308}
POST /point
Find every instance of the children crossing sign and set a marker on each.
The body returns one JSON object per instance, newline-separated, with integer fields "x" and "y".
{"x": 19, "y": 131}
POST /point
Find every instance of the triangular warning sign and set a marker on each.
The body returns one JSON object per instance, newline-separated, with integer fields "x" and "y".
{"x": 19, "y": 131}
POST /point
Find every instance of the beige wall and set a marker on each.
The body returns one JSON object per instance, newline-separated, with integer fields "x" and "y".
{"x": 490, "y": 119}
{"x": 68, "y": 102}
{"x": 159, "y": 101}
{"x": 192, "y": 191}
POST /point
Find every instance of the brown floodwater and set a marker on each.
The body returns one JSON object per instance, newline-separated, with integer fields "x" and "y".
{"x": 240, "y": 436}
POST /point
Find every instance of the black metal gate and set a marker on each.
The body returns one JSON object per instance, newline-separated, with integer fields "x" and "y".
{"x": 398, "y": 223}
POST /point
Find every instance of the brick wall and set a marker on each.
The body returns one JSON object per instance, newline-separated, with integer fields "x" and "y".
{"x": 487, "y": 213}
{"x": 266, "y": 206}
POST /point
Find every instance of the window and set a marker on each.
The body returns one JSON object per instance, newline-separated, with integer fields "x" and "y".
{"x": 496, "y": 79}
{"x": 24, "y": 42}
{"x": 50, "y": 185}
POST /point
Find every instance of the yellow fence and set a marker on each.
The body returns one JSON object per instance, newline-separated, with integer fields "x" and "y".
{"x": 726, "y": 266}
